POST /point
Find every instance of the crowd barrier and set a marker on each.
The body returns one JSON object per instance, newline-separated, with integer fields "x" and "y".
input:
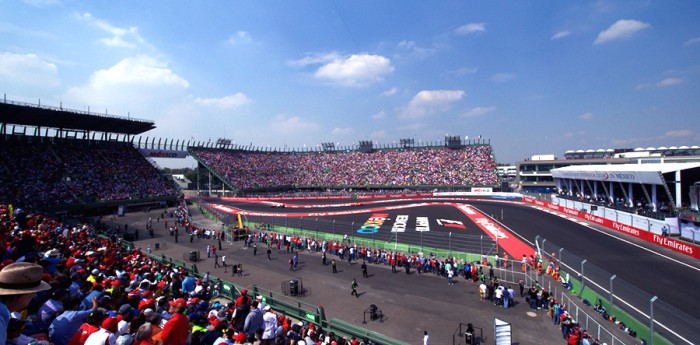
{"x": 626, "y": 223}
{"x": 636, "y": 308}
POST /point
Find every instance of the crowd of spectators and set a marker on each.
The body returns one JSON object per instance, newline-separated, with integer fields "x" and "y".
{"x": 44, "y": 174}
{"x": 472, "y": 165}
{"x": 640, "y": 206}
{"x": 91, "y": 289}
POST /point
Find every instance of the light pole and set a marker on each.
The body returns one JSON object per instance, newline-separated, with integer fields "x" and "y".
{"x": 449, "y": 237}
{"x": 583, "y": 278}
{"x": 611, "y": 294}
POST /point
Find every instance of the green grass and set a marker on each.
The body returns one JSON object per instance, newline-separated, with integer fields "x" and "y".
{"x": 620, "y": 315}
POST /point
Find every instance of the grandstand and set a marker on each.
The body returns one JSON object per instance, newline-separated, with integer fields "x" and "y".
{"x": 413, "y": 168}
{"x": 54, "y": 159}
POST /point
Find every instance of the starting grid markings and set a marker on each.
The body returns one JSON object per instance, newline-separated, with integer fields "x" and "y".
{"x": 402, "y": 221}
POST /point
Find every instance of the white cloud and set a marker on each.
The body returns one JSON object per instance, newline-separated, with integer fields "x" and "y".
{"x": 355, "y": 70}
{"x": 228, "y": 102}
{"x": 132, "y": 81}
{"x": 343, "y": 131}
{"x": 465, "y": 71}
{"x": 570, "y": 135}
{"x": 378, "y": 116}
{"x": 428, "y": 102}
{"x": 315, "y": 59}
{"x": 287, "y": 124}
{"x": 586, "y": 116}
{"x": 623, "y": 28}
{"x": 240, "y": 37}
{"x": 682, "y": 133}
{"x": 478, "y": 111}
{"x": 138, "y": 70}
{"x": 663, "y": 83}
{"x": 415, "y": 50}
{"x": 120, "y": 37}
{"x": 390, "y": 92}
{"x": 502, "y": 77}
{"x": 560, "y": 34}
{"x": 471, "y": 28}
{"x": 28, "y": 69}
{"x": 692, "y": 41}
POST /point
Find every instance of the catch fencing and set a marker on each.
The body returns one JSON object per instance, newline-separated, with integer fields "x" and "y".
{"x": 641, "y": 310}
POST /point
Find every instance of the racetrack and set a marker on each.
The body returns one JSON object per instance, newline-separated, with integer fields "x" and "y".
{"x": 654, "y": 270}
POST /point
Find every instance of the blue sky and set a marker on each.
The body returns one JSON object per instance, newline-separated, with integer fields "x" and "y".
{"x": 534, "y": 77}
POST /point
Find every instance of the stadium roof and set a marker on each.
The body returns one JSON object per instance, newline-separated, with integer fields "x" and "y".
{"x": 634, "y": 173}
{"x": 25, "y": 114}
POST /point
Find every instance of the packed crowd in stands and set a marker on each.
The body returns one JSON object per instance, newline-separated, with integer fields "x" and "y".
{"x": 472, "y": 165}
{"x": 44, "y": 174}
{"x": 64, "y": 285}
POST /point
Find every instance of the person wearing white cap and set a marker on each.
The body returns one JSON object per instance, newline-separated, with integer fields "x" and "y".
{"x": 261, "y": 304}
{"x": 269, "y": 326}
{"x": 19, "y": 282}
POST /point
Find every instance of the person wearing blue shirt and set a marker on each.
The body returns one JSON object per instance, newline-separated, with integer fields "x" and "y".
{"x": 67, "y": 323}
{"x": 188, "y": 285}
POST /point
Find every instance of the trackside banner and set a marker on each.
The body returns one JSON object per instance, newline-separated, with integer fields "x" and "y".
{"x": 644, "y": 177}
{"x": 163, "y": 153}
{"x": 666, "y": 242}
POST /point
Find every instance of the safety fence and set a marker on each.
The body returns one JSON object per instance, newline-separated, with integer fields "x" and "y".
{"x": 638, "y": 309}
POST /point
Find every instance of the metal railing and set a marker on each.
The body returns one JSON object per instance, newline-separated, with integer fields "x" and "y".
{"x": 639, "y": 309}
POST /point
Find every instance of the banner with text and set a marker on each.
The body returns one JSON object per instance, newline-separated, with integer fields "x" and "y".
{"x": 666, "y": 242}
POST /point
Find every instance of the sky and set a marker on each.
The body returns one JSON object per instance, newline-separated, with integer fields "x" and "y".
{"x": 533, "y": 77}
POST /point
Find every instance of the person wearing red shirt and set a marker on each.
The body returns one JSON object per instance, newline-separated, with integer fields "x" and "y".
{"x": 175, "y": 331}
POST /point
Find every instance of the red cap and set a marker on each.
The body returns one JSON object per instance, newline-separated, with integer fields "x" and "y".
{"x": 179, "y": 303}
{"x": 109, "y": 323}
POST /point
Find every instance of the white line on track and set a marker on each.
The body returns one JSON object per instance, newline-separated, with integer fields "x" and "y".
{"x": 588, "y": 225}
{"x": 504, "y": 226}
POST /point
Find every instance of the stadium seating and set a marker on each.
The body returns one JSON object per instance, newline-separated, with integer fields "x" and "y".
{"x": 76, "y": 171}
{"x": 473, "y": 165}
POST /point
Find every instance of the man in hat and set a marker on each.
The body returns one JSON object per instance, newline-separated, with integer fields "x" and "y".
{"x": 269, "y": 326}
{"x": 176, "y": 329}
{"x": 19, "y": 283}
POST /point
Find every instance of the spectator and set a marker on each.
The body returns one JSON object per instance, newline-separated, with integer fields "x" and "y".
{"x": 176, "y": 329}
{"x": 19, "y": 283}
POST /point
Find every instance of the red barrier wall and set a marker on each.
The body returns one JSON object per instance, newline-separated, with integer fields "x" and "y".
{"x": 666, "y": 242}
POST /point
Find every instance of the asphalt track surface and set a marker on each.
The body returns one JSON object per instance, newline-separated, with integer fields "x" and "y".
{"x": 656, "y": 271}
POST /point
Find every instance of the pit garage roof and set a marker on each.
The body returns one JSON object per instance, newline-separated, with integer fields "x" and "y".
{"x": 41, "y": 116}
{"x": 632, "y": 173}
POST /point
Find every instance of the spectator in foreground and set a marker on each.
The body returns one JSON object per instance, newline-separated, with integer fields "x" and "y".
{"x": 19, "y": 282}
